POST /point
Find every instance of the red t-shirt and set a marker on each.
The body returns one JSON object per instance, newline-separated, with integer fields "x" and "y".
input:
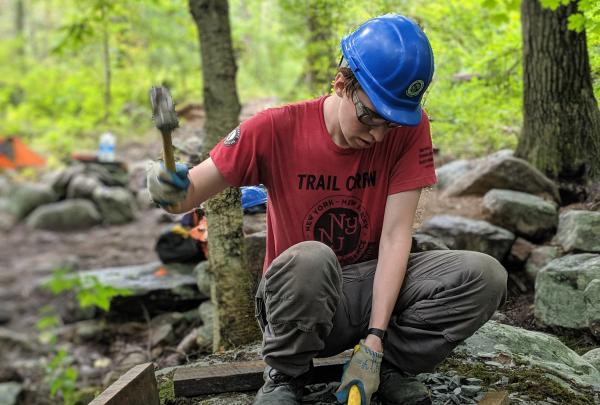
{"x": 317, "y": 190}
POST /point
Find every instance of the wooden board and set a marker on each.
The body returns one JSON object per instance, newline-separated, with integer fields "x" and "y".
{"x": 137, "y": 386}
{"x": 243, "y": 376}
{"x": 495, "y": 398}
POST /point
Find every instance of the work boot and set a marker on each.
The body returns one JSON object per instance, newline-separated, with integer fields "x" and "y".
{"x": 399, "y": 388}
{"x": 280, "y": 388}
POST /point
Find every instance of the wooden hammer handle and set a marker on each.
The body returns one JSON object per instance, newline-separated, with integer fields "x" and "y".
{"x": 168, "y": 155}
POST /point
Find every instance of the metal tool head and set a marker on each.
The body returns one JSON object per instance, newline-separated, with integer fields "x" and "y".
{"x": 163, "y": 110}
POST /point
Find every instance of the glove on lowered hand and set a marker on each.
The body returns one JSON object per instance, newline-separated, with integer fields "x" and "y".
{"x": 363, "y": 371}
{"x": 167, "y": 188}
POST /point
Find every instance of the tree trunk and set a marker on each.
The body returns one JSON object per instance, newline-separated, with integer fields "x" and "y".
{"x": 561, "y": 119}
{"x": 231, "y": 289}
{"x": 106, "y": 64}
{"x": 20, "y": 28}
{"x": 321, "y": 50}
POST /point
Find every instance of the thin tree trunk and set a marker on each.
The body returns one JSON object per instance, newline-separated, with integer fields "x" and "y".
{"x": 561, "y": 126}
{"x": 20, "y": 30}
{"x": 106, "y": 65}
{"x": 321, "y": 51}
{"x": 231, "y": 288}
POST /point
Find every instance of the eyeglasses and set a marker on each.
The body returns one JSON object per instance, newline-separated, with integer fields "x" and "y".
{"x": 369, "y": 117}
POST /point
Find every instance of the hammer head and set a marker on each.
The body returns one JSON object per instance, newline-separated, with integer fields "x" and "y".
{"x": 163, "y": 110}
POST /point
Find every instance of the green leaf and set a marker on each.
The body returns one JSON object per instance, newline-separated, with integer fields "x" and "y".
{"x": 500, "y": 18}
{"x": 47, "y": 322}
{"x": 489, "y": 3}
{"x": 551, "y": 4}
{"x": 576, "y": 22}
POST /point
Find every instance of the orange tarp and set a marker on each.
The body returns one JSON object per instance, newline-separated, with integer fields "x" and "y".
{"x": 15, "y": 154}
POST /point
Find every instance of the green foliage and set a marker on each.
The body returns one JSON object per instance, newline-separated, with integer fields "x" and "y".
{"x": 55, "y": 95}
{"x": 61, "y": 377}
{"x": 88, "y": 289}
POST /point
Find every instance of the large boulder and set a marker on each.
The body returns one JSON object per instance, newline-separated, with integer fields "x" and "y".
{"x": 579, "y": 230}
{"x": 421, "y": 242}
{"x": 116, "y": 204}
{"x": 593, "y": 357}
{"x": 469, "y": 234}
{"x": 451, "y": 172}
{"x": 524, "y": 214}
{"x": 496, "y": 343}
{"x": 82, "y": 186}
{"x": 65, "y": 216}
{"x": 27, "y": 197}
{"x": 503, "y": 172}
{"x": 592, "y": 306}
{"x": 10, "y": 392}
{"x": 560, "y": 290}
{"x": 539, "y": 258}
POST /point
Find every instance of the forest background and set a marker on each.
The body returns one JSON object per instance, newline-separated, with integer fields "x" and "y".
{"x": 72, "y": 69}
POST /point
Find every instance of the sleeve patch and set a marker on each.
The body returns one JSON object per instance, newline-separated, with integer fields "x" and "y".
{"x": 233, "y": 137}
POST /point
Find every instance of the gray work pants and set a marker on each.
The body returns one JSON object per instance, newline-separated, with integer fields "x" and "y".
{"x": 308, "y": 306}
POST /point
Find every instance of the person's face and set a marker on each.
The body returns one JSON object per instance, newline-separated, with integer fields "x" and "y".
{"x": 361, "y": 126}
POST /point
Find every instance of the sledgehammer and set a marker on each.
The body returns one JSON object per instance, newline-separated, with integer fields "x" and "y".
{"x": 165, "y": 119}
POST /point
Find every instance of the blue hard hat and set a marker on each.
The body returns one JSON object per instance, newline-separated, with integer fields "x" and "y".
{"x": 253, "y": 196}
{"x": 392, "y": 60}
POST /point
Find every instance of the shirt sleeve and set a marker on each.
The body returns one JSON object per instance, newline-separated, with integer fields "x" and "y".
{"x": 415, "y": 168}
{"x": 240, "y": 157}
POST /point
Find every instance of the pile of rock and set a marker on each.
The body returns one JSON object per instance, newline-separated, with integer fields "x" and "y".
{"x": 78, "y": 197}
{"x": 525, "y": 229}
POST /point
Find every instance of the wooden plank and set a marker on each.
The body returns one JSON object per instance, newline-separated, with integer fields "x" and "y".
{"x": 495, "y": 398}
{"x": 243, "y": 376}
{"x": 137, "y": 386}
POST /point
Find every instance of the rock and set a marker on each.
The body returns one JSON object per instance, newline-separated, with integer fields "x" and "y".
{"x": 7, "y": 218}
{"x": 11, "y": 340}
{"x": 593, "y": 357}
{"x": 159, "y": 292}
{"x": 503, "y": 172}
{"x": 5, "y": 315}
{"x": 204, "y": 338}
{"x": 519, "y": 253}
{"x": 579, "y": 230}
{"x": 422, "y": 242}
{"x": 203, "y": 278}
{"x": 469, "y": 234}
{"x": 560, "y": 290}
{"x": 6, "y": 186}
{"x": 161, "y": 334}
{"x": 82, "y": 186}
{"x": 539, "y": 257}
{"x": 137, "y": 175}
{"x": 509, "y": 344}
{"x": 451, "y": 172}
{"x": 144, "y": 200}
{"x": 592, "y": 304}
{"x": 27, "y": 197}
{"x": 59, "y": 180}
{"x": 116, "y": 204}
{"x": 64, "y": 216}
{"x": 9, "y": 393}
{"x": 254, "y": 223}
{"x": 521, "y": 213}
{"x": 255, "y": 250}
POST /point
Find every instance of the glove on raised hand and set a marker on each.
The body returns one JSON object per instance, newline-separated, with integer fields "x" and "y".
{"x": 363, "y": 371}
{"x": 167, "y": 188}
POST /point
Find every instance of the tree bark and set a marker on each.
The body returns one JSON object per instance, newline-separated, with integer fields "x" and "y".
{"x": 561, "y": 124}
{"x": 231, "y": 289}
{"x": 321, "y": 48}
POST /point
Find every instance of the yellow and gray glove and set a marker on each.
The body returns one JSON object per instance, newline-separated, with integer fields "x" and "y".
{"x": 361, "y": 371}
{"x": 167, "y": 188}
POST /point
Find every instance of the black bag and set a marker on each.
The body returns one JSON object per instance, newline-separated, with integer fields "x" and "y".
{"x": 172, "y": 247}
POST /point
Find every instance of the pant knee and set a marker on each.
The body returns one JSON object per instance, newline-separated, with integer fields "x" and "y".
{"x": 490, "y": 275}
{"x": 303, "y": 286}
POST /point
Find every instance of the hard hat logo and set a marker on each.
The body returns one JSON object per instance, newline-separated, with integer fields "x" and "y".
{"x": 415, "y": 88}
